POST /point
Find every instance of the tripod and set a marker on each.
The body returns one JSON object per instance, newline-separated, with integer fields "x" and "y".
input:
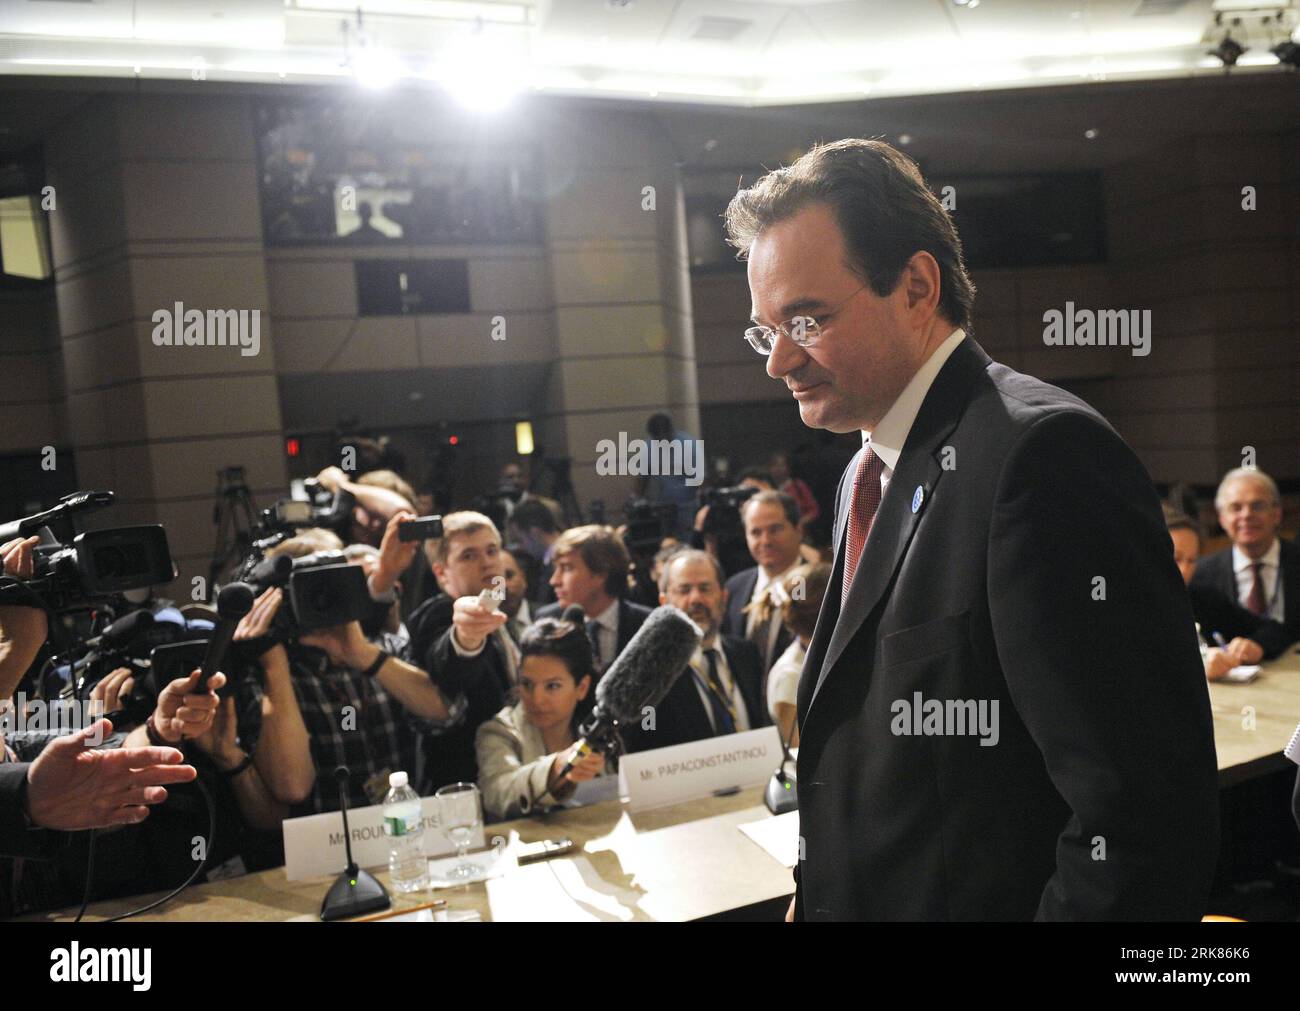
{"x": 234, "y": 517}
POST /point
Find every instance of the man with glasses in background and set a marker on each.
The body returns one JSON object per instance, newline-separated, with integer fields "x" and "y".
{"x": 1002, "y": 714}
{"x": 1260, "y": 570}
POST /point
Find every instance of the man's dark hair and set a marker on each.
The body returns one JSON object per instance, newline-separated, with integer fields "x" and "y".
{"x": 884, "y": 210}
{"x": 787, "y": 503}
{"x": 659, "y": 426}
{"x": 756, "y": 474}
{"x": 531, "y": 513}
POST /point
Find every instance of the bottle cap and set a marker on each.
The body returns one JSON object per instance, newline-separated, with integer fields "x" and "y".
{"x": 397, "y": 780}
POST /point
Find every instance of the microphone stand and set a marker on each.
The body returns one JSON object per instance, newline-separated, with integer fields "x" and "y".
{"x": 782, "y": 793}
{"x": 355, "y": 891}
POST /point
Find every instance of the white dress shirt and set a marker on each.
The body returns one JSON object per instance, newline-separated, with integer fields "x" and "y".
{"x": 607, "y": 634}
{"x": 761, "y": 585}
{"x": 889, "y": 437}
{"x": 1269, "y": 570}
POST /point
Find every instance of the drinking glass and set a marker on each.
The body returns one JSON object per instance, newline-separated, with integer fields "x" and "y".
{"x": 460, "y": 812}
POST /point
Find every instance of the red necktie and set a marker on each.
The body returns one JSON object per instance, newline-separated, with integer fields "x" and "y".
{"x": 862, "y": 511}
{"x": 1255, "y": 600}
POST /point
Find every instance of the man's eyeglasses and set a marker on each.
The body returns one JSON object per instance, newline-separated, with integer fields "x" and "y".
{"x": 803, "y": 330}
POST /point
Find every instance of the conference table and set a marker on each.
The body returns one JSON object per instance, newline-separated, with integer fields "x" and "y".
{"x": 686, "y": 861}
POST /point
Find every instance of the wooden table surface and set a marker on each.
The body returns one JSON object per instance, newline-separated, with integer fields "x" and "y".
{"x": 1253, "y": 722}
{"x": 675, "y": 863}
{"x": 681, "y": 862}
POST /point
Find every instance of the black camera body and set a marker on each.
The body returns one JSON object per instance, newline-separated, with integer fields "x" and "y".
{"x": 322, "y": 590}
{"x": 97, "y": 564}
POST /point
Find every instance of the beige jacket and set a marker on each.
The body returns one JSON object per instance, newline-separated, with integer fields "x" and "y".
{"x": 513, "y": 765}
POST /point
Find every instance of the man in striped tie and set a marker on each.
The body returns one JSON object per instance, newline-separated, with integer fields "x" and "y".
{"x": 1002, "y": 713}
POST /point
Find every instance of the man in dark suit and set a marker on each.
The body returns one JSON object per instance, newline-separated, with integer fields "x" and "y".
{"x": 1002, "y": 712}
{"x": 772, "y": 533}
{"x": 720, "y": 692}
{"x": 1261, "y": 571}
{"x": 591, "y": 567}
{"x": 1246, "y": 637}
{"x": 532, "y": 526}
{"x": 463, "y": 645}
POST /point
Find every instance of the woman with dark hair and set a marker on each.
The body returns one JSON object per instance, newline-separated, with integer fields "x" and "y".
{"x": 523, "y": 749}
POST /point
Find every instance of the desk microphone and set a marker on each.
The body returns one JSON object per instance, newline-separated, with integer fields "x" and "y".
{"x": 354, "y": 891}
{"x": 782, "y": 794}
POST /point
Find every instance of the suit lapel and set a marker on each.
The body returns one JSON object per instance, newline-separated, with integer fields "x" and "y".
{"x": 919, "y": 469}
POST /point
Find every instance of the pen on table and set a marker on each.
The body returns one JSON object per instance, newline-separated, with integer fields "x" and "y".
{"x": 1219, "y": 640}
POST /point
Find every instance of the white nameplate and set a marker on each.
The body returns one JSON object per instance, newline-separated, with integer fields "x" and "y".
{"x": 698, "y": 768}
{"x": 314, "y": 845}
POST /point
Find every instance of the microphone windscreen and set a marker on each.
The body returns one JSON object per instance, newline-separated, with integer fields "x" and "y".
{"x": 126, "y": 628}
{"x": 272, "y": 571}
{"x": 234, "y": 601}
{"x": 649, "y": 664}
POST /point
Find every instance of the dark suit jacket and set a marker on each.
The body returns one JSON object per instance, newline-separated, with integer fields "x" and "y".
{"x": 449, "y": 757}
{"x": 630, "y": 618}
{"x": 680, "y": 716}
{"x": 740, "y": 588}
{"x": 1215, "y": 612}
{"x": 984, "y": 587}
{"x": 1215, "y": 571}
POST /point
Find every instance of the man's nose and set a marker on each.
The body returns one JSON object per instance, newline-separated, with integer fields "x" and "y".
{"x": 786, "y": 356}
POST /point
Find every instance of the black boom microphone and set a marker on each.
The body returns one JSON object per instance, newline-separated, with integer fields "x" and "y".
{"x": 58, "y": 517}
{"x": 233, "y": 602}
{"x": 123, "y": 630}
{"x": 641, "y": 675}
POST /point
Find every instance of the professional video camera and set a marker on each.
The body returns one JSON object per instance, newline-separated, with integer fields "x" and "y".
{"x": 648, "y": 523}
{"x": 723, "y": 522}
{"x": 321, "y": 508}
{"x": 76, "y": 571}
{"x": 322, "y": 590}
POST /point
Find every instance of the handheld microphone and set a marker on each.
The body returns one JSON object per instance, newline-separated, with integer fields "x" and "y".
{"x": 233, "y": 602}
{"x": 641, "y": 675}
{"x": 354, "y": 891}
{"x": 123, "y": 630}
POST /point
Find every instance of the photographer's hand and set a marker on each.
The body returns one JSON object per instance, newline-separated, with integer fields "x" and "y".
{"x": 395, "y": 555}
{"x": 220, "y": 741}
{"x": 472, "y": 623}
{"x": 18, "y": 558}
{"x": 70, "y": 787}
{"x": 181, "y": 712}
{"x": 112, "y": 688}
{"x": 256, "y": 624}
{"x": 346, "y": 645}
{"x": 22, "y": 634}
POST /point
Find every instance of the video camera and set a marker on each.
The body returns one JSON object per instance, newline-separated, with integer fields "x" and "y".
{"x": 322, "y": 590}
{"x": 723, "y": 522}
{"x": 76, "y": 571}
{"x": 321, "y": 508}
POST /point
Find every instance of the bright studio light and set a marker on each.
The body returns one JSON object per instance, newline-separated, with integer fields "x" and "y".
{"x": 374, "y": 68}
{"x": 482, "y": 71}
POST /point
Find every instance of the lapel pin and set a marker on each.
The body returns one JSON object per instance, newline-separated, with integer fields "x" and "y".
{"x": 918, "y": 497}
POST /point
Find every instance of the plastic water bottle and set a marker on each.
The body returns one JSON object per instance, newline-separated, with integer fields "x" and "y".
{"x": 408, "y": 868}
